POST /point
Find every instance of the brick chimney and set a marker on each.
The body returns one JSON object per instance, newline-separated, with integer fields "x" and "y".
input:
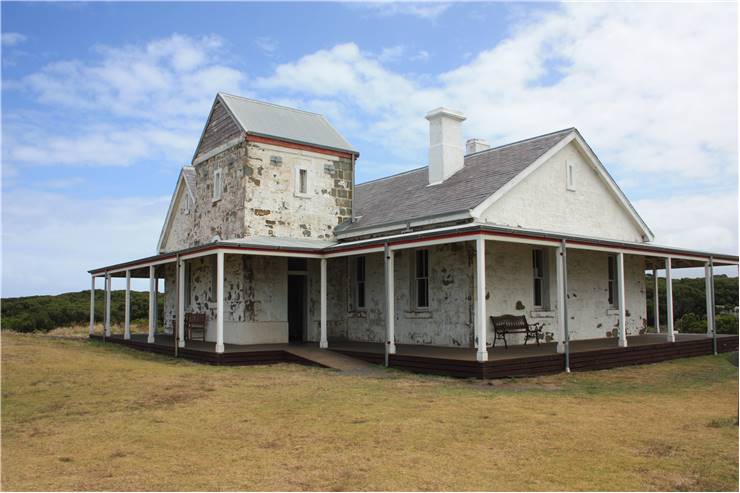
{"x": 445, "y": 144}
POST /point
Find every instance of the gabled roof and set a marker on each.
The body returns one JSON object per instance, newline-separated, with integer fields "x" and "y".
{"x": 186, "y": 179}
{"x": 272, "y": 120}
{"x": 408, "y": 196}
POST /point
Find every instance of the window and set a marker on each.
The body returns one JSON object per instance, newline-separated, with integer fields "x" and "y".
{"x": 570, "y": 179}
{"x": 539, "y": 276}
{"x": 360, "y": 282}
{"x": 214, "y": 277}
{"x": 541, "y": 279}
{"x": 421, "y": 279}
{"x": 187, "y": 287}
{"x": 187, "y": 203}
{"x": 613, "y": 301}
{"x": 302, "y": 181}
{"x": 217, "y": 184}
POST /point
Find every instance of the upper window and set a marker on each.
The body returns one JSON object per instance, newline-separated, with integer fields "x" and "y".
{"x": 570, "y": 179}
{"x": 421, "y": 279}
{"x": 217, "y": 184}
{"x": 612, "y": 267}
{"x": 360, "y": 282}
{"x": 300, "y": 179}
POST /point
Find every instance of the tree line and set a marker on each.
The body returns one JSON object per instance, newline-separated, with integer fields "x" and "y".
{"x": 44, "y": 313}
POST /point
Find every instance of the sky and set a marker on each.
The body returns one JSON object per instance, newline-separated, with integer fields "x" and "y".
{"x": 103, "y": 103}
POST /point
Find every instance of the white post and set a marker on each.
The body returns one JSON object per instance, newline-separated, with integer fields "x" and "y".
{"x": 107, "y": 304}
{"x": 92, "y": 306}
{"x": 323, "y": 341}
{"x": 220, "y": 302}
{"x": 620, "y": 300}
{"x": 559, "y": 272}
{"x": 480, "y": 298}
{"x": 152, "y": 301}
{"x": 127, "y": 308}
{"x": 669, "y": 300}
{"x": 710, "y": 304}
{"x": 390, "y": 305}
{"x": 656, "y": 297}
{"x": 180, "y": 303}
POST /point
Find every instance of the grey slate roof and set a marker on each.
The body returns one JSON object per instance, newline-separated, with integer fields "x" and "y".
{"x": 272, "y": 120}
{"x": 407, "y": 196}
{"x": 188, "y": 173}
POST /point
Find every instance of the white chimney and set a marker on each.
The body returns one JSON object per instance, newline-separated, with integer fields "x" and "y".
{"x": 445, "y": 144}
{"x": 476, "y": 145}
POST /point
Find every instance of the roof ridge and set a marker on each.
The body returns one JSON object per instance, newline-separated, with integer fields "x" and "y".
{"x": 569, "y": 129}
{"x": 391, "y": 176}
{"x": 268, "y": 103}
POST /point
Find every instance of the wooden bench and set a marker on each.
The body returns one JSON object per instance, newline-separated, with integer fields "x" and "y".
{"x": 515, "y": 324}
{"x": 195, "y": 323}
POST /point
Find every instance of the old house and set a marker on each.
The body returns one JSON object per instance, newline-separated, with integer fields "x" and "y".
{"x": 270, "y": 237}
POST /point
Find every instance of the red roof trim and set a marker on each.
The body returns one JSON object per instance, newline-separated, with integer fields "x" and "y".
{"x": 295, "y": 145}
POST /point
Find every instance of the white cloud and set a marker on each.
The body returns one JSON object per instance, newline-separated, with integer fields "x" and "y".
{"x": 50, "y": 240}
{"x": 391, "y": 54}
{"x": 651, "y": 91}
{"x": 150, "y": 101}
{"x": 422, "y": 10}
{"x": 696, "y": 221}
{"x": 173, "y": 77}
{"x": 421, "y": 56}
{"x": 267, "y": 45}
{"x": 12, "y": 39}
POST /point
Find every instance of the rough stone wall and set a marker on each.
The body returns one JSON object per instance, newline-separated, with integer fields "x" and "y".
{"x": 225, "y": 217}
{"x": 541, "y": 201}
{"x": 274, "y": 208}
{"x": 181, "y": 227}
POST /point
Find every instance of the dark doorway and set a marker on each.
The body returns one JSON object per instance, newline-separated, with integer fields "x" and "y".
{"x": 296, "y": 307}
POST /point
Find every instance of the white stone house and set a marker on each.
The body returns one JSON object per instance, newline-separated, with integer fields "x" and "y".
{"x": 269, "y": 235}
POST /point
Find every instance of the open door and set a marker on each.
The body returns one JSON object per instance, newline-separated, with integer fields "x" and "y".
{"x": 296, "y": 307}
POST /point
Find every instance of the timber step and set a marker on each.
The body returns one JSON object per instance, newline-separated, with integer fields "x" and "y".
{"x": 334, "y": 360}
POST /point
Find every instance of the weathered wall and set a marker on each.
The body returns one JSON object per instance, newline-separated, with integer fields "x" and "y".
{"x": 255, "y": 297}
{"x": 272, "y": 206}
{"x": 449, "y": 320}
{"x": 178, "y": 234}
{"x": 225, "y": 217}
{"x": 541, "y": 201}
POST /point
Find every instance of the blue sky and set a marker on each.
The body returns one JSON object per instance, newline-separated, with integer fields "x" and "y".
{"x": 103, "y": 103}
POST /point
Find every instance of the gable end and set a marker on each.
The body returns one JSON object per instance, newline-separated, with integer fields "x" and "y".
{"x": 220, "y": 128}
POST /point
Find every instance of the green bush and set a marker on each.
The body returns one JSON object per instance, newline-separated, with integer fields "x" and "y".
{"x": 44, "y": 313}
{"x": 727, "y": 324}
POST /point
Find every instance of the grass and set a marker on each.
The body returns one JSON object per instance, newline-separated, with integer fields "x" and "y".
{"x": 81, "y": 415}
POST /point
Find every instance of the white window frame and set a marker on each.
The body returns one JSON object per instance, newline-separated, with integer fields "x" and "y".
{"x": 570, "y": 176}
{"x": 187, "y": 202}
{"x": 218, "y": 184}
{"x": 302, "y": 167}
{"x": 419, "y": 279}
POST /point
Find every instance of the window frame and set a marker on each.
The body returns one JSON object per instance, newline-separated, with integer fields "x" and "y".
{"x": 218, "y": 184}
{"x": 612, "y": 280}
{"x": 301, "y": 172}
{"x": 539, "y": 277}
{"x": 570, "y": 178}
{"x": 360, "y": 283}
{"x": 420, "y": 279}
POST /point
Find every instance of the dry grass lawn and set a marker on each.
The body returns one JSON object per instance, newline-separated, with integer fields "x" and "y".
{"x": 80, "y": 415}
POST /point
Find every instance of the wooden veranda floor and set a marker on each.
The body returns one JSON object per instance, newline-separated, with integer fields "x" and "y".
{"x": 517, "y": 360}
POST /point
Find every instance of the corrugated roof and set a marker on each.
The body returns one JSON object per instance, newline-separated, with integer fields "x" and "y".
{"x": 408, "y": 196}
{"x": 272, "y": 120}
{"x": 277, "y": 242}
